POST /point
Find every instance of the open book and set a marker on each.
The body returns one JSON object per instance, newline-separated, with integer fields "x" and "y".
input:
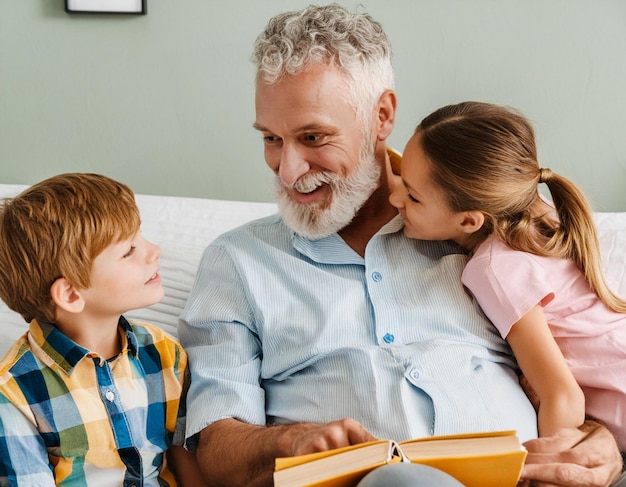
{"x": 476, "y": 460}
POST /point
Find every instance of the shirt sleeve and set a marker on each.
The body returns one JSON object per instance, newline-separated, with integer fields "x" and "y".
{"x": 181, "y": 418}
{"x": 507, "y": 285}
{"x": 218, "y": 332}
{"x": 23, "y": 456}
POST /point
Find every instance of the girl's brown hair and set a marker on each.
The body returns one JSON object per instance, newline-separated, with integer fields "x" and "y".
{"x": 56, "y": 228}
{"x": 484, "y": 157}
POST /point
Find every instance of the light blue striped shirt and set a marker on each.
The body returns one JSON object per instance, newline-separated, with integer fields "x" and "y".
{"x": 282, "y": 329}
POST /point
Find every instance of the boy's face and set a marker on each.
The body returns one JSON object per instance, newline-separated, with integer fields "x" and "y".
{"x": 124, "y": 277}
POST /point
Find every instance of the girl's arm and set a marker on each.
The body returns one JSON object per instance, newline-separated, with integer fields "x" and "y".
{"x": 561, "y": 400}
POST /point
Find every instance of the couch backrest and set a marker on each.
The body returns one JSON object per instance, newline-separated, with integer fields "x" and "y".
{"x": 184, "y": 226}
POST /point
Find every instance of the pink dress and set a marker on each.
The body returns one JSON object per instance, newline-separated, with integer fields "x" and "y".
{"x": 507, "y": 283}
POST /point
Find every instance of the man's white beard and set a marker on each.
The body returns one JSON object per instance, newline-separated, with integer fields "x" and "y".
{"x": 347, "y": 196}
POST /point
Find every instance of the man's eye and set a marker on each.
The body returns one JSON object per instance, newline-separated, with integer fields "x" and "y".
{"x": 130, "y": 252}
{"x": 313, "y": 138}
{"x": 270, "y": 139}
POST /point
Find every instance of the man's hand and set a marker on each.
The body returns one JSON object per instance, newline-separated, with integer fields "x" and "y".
{"x": 232, "y": 453}
{"x": 322, "y": 437}
{"x": 585, "y": 457}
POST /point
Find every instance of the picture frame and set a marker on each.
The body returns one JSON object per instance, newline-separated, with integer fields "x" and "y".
{"x": 138, "y": 7}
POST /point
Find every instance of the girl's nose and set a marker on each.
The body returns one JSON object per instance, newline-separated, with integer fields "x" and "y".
{"x": 396, "y": 198}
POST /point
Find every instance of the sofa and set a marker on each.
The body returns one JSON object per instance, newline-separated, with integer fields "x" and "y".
{"x": 184, "y": 226}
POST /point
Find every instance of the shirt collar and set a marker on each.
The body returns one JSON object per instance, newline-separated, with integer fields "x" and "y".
{"x": 333, "y": 249}
{"x": 65, "y": 352}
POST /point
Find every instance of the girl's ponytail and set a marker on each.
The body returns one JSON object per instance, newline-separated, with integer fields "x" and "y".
{"x": 576, "y": 237}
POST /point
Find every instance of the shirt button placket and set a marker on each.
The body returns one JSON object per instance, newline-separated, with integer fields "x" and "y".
{"x": 388, "y": 337}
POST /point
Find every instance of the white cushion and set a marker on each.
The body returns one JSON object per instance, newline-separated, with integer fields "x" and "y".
{"x": 184, "y": 226}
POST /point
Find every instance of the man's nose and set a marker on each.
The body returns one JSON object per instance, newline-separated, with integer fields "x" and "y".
{"x": 293, "y": 165}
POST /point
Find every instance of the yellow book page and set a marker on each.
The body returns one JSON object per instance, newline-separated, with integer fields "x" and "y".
{"x": 476, "y": 460}
{"x": 479, "y": 460}
{"x": 490, "y": 471}
{"x": 342, "y": 467}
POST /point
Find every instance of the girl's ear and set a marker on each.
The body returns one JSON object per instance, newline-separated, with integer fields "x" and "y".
{"x": 472, "y": 221}
{"x": 386, "y": 116}
{"x": 66, "y": 296}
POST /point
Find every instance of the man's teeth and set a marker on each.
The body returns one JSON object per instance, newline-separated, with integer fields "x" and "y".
{"x": 308, "y": 187}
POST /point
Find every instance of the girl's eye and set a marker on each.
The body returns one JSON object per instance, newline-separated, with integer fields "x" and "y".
{"x": 130, "y": 252}
{"x": 414, "y": 200}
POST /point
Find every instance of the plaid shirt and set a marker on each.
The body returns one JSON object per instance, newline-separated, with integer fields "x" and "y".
{"x": 70, "y": 417}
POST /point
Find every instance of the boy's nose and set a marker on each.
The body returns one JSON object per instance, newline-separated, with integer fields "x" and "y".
{"x": 154, "y": 252}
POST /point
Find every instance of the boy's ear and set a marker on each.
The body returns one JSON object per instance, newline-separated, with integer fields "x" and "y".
{"x": 386, "y": 115}
{"x": 66, "y": 296}
{"x": 472, "y": 221}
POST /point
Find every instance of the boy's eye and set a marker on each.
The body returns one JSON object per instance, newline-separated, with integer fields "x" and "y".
{"x": 130, "y": 252}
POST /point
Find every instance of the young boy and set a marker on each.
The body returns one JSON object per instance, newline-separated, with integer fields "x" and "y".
{"x": 86, "y": 397}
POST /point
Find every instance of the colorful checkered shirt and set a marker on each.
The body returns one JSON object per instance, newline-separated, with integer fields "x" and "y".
{"x": 70, "y": 417}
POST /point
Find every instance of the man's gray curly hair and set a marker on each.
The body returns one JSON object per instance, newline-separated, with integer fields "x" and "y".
{"x": 354, "y": 42}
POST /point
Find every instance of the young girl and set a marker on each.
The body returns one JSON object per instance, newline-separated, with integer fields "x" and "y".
{"x": 471, "y": 175}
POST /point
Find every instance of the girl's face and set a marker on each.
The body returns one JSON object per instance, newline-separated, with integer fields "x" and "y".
{"x": 422, "y": 204}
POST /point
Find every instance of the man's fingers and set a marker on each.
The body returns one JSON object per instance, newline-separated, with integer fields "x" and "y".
{"x": 564, "y": 474}
{"x": 358, "y": 434}
{"x": 561, "y": 441}
{"x": 329, "y": 436}
{"x": 573, "y": 457}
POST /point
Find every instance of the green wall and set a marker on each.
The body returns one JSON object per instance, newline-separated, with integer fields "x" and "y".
{"x": 164, "y": 102}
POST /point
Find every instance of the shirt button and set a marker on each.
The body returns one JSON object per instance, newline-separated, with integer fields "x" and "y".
{"x": 415, "y": 374}
{"x": 388, "y": 338}
{"x": 110, "y": 396}
{"x": 377, "y": 276}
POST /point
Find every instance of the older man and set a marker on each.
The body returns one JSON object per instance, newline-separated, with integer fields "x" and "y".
{"x": 325, "y": 326}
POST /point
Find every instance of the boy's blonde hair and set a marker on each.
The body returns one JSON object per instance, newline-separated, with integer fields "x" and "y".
{"x": 56, "y": 228}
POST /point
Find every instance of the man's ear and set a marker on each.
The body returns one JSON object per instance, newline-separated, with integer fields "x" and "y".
{"x": 386, "y": 115}
{"x": 66, "y": 296}
{"x": 472, "y": 221}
